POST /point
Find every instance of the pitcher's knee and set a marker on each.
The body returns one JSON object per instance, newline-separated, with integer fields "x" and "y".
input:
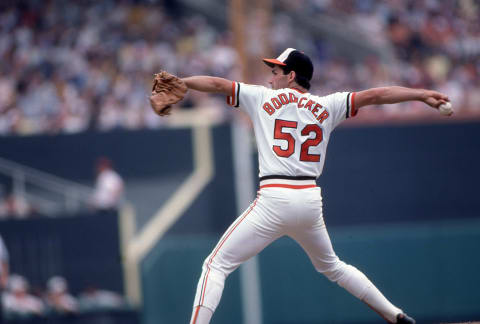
{"x": 355, "y": 282}
{"x": 210, "y": 286}
{"x": 214, "y": 269}
{"x": 205, "y": 263}
{"x": 334, "y": 271}
{"x": 348, "y": 277}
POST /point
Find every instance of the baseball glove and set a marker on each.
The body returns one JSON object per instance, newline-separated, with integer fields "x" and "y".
{"x": 167, "y": 90}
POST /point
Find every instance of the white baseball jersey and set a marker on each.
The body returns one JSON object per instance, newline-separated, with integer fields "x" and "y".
{"x": 292, "y": 131}
{"x": 292, "y": 128}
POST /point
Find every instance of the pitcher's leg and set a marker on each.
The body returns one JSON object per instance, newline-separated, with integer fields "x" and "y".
{"x": 201, "y": 314}
{"x": 316, "y": 243}
{"x": 241, "y": 241}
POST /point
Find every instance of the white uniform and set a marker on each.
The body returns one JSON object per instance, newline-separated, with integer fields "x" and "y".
{"x": 108, "y": 189}
{"x": 292, "y": 131}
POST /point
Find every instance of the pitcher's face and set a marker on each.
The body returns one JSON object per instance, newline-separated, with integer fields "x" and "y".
{"x": 278, "y": 79}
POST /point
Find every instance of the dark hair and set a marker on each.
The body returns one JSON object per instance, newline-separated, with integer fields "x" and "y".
{"x": 299, "y": 79}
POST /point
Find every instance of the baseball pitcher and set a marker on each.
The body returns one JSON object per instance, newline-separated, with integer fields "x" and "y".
{"x": 292, "y": 129}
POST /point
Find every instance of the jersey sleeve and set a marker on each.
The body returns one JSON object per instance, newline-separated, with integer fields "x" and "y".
{"x": 342, "y": 106}
{"x": 246, "y": 96}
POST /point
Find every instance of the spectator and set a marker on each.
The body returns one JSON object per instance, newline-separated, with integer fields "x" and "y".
{"x": 15, "y": 206}
{"x": 17, "y": 301}
{"x": 93, "y": 298}
{"x": 70, "y": 67}
{"x": 58, "y": 297}
{"x": 109, "y": 187}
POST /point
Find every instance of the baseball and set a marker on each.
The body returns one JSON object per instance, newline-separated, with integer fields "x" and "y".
{"x": 446, "y": 109}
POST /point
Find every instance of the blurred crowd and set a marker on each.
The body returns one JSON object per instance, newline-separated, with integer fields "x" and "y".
{"x": 87, "y": 65}
{"x": 20, "y": 301}
{"x": 72, "y": 66}
{"x": 436, "y": 45}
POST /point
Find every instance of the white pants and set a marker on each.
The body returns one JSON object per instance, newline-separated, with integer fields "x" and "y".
{"x": 280, "y": 210}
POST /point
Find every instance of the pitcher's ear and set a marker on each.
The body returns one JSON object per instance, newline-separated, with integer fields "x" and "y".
{"x": 291, "y": 76}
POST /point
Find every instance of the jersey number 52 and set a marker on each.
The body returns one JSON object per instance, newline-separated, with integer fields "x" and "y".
{"x": 307, "y": 130}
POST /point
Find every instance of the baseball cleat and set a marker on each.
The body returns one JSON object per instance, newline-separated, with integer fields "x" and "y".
{"x": 404, "y": 319}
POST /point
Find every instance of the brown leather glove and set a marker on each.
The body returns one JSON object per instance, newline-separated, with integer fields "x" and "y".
{"x": 167, "y": 90}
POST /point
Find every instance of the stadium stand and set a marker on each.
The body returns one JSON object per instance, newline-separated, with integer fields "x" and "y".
{"x": 87, "y": 65}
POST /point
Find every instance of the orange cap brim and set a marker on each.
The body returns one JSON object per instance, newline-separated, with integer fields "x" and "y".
{"x": 272, "y": 62}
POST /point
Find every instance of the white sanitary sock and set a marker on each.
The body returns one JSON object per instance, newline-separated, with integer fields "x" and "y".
{"x": 375, "y": 299}
{"x": 355, "y": 282}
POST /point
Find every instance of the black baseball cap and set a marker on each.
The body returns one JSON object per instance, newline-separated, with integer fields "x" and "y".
{"x": 293, "y": 60}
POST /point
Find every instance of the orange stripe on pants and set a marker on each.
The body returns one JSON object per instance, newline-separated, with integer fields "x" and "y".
{"x": 218, "y": 248}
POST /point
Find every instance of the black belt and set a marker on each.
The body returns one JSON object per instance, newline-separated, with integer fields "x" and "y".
{"x": 287, "y": 177}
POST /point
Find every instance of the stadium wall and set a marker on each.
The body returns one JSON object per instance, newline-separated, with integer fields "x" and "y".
{"x": 84, "y": 249}
{"x": 372, "y": 175}
{"x": 428, "y": 269}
